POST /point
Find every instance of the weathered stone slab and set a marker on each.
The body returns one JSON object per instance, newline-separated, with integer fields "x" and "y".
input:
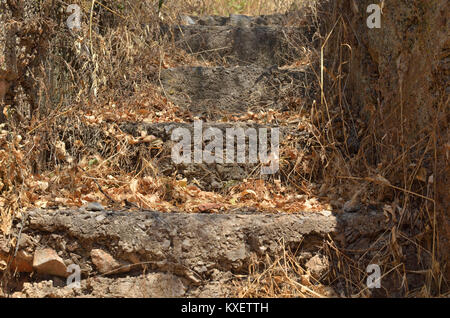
{"x": 178, "y": 242}
{"x": 162, "y": 140}
{"x": 236, "y": 20}
{"x": 176, "y": 254}
{"x": 262, "y": 45}
{"x": 151, "y": 285}
{"x": 213, "y": 92}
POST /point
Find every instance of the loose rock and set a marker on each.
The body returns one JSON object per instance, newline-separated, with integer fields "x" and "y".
{"x": 47, "y": 261}
{"x": 105, "y": 263}
{"x": 318, "y": 265}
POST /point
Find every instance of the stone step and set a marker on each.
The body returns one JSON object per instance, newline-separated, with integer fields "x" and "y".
{"x": 157, "y": 148}
{"x": 235, "y": 20}
{"x": 181, "y": 253}
{"x": 262, "y": 45}
{"x": 214, "y": 92}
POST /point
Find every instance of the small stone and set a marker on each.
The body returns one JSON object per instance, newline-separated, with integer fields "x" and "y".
{"x": 187, "y": 20}
{"x": 94, "y": 206}
{"x": 22, "y": 263}
{"x": 105, "y": 263}
{"x": 100, "y": 218}
{"x": 47, "y": 261}
{"x": 318, "y": 266}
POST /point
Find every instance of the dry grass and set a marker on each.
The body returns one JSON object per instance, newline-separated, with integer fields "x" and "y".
{"x": 281, "y": 276}
{"x": 399, "y": 171}
{"x": 226, "y": 7}
{"x": 112, "y": 67}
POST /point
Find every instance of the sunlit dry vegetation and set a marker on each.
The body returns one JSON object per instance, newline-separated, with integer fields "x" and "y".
{"x": 72, "y": 84}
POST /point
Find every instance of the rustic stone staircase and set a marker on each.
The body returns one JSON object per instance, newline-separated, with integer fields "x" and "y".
{"x": 241, "y": 40}
{"x": 191, "y": 255}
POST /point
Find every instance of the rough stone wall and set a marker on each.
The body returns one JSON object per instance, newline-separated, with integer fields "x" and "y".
{"x": 399, "y": 75}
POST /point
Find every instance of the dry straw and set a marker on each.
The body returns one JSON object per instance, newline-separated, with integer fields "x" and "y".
{"x": 120, "y": 55}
